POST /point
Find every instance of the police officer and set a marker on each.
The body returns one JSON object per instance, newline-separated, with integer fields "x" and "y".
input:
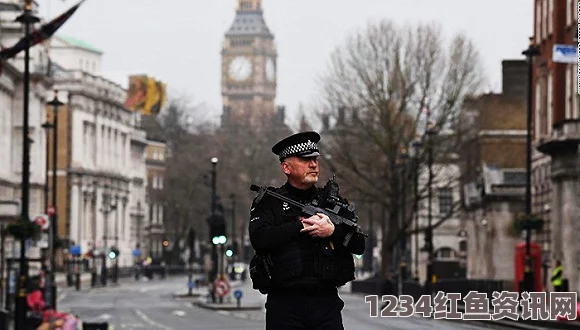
{"x": 557, "y": 277}
{"x": 308, "y": 256}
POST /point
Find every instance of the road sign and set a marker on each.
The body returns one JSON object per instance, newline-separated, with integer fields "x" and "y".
{"x": 565, "y": 54}
{"x": 238, "y": 294}
{"x": 51, "y": 210}
{"x": 75, "y": 250}
{"x": 42, "y": 221}
{"x": 221, "y": 288}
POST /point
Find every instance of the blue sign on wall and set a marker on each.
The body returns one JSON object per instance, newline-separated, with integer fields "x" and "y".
{"x": 565, "y": 54}
{"x": 136, "y": 253}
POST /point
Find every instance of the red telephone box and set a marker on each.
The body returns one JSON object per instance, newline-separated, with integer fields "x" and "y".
{"x": 520, "y": 260}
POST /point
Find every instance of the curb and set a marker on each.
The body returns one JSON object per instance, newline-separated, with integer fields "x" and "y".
{"x": 226, "y": 308}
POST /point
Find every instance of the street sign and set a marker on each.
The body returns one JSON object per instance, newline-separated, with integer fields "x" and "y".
{"x": 238, "y": 294}
{"x": 75, "y": 250}
{"x": 42, "y": 221}
{"x": 51, "y": 211}
{"x": 136, "y": 253}
{"x": 565, "y": 54}
{"x": 221, "y": 288}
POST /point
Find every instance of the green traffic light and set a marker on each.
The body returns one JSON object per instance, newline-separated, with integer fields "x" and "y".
{"x": 215, "y": 240}
{"x": 358, "y": 256}
{"x": 112, "y": 255}
{"x": 229, "y": 253}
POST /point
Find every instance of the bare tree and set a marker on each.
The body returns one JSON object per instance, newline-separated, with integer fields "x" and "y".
{"x": 382, "y": 88}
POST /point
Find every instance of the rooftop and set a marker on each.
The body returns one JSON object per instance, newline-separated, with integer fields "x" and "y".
{"x": 79, "y": 43}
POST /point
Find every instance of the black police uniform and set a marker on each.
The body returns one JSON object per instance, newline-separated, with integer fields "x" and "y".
{"x": 306, "y": 270}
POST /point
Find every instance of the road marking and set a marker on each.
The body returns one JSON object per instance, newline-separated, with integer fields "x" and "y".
{"x": 150, "y": 321}
{"x": 61, "y": 297}
{"x": 223, "y": 312}
{"x": 105, "y": 316}
{"x": 179, "y": 313}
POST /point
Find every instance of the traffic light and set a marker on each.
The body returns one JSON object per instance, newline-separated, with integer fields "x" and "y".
{"x": 113, "y": 253}
{"x": 218, "y": 231}
{"x": 229, "y": 253}
{"x": 165, "y": 243}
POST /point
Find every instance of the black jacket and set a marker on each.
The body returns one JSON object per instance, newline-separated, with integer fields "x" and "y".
{"x": 275, "y": 230}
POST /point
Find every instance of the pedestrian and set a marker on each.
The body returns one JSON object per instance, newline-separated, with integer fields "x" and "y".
{"x": 309, "y": 260}
{"x": 557, "y": 276}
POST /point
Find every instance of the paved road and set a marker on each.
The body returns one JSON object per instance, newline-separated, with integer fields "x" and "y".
{"x": 150, "y": 305}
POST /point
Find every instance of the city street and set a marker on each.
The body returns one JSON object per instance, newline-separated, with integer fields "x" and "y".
{"x": 150, "y": 305}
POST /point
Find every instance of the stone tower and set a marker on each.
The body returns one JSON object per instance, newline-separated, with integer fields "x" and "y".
{"x": 249, "y": 68}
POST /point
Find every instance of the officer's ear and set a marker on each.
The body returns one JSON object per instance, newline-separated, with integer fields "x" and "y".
{"x": 286, "y": 166}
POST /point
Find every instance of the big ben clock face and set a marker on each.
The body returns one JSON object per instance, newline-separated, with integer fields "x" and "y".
{"x": 270, "y": 69}
{"x": 240, "y": 68}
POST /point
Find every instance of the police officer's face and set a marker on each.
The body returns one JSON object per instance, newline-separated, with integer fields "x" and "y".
{"x": 303, "y": 171}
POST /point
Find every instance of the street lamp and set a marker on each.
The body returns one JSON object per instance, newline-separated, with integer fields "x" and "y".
{"x": 430, "y": 132}
{"x": 55, "y": 103}
{"x": 27, "y": 18}
{"x": 47, "y": 127}
{"x": 528, "y": 280}
{"x": 402, "y": 162}
{"x": 417, "y": 145}
{"x": 109, "y": 204}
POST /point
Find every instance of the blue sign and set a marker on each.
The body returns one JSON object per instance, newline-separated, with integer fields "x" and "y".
{"x": 136, "y": 253}
{"x": 565, "y": 54}
{"x": 75, "y": 250}
{"x": 238, "y": 294}
{"x": 190, "y": 284}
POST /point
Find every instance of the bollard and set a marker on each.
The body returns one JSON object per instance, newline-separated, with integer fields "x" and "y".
{"x": 95, "y": 326}
{"x": 78, "y": 281}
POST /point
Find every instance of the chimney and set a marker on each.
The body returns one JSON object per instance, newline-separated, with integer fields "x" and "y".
{"x": 515, "y": 78}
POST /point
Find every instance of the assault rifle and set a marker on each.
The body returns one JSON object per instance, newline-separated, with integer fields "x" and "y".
{"x": 339, "y": 212}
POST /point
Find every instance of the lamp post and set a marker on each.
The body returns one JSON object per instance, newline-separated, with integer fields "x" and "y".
{"x": 402, "y": 162}
{"x": 528, "y": 280}
{"x": 47, "y": 127}
{"x": 431, "y": 131}
{"x": 27, "y": 18}
{"x": 116, "y": 261}
{"x": 214, "y": 162}
{"x": 55, "y": 103}
{"x": 108, "y": 205}
{"x": 232, "y": 234}
{"x": 417, "y": 145}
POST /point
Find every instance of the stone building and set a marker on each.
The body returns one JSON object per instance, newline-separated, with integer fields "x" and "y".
{"x": 493, "y": 167}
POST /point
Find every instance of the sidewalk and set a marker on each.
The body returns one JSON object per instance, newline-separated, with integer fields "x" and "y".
{"x": 251, "y": 299}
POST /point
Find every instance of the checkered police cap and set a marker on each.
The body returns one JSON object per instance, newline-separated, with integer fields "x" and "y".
{"x": 300, "y": 144}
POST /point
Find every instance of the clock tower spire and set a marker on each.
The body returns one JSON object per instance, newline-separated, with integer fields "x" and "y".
{"x": 248, "y": 67}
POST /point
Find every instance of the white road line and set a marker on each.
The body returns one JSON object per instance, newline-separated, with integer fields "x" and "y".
{"x": 150, "y": 321}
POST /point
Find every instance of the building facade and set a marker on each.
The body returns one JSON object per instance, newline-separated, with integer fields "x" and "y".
{"x": 556, "y": 117}
{"x": 101, "y": 157}
{"x": 493, "y": 175}
{"x": 155, "y": 230}
{"x": 11, "y": 119}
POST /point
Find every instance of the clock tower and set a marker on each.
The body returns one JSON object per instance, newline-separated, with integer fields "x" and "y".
{"x": 248, "y": 68}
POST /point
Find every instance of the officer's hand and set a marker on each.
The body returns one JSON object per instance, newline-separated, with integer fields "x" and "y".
{"x": 318, "y": 225}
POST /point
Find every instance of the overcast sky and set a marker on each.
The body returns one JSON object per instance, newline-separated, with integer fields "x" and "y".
{"x": 179, "y": 41}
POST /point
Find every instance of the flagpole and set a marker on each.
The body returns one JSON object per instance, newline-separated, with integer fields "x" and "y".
{"x": 27, "y": 18}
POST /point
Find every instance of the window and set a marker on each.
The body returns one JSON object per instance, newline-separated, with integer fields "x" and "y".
{"x": 568, "y": 103}
{"x": 550, "y": 14}
{"x": 537, "y": 111}
{"x": 545, "y": 18}
{"x": 445, "y": 201}
{"x": 574, "y": 92}
{"x": 538, "y": 21}
{"x": 549, "y": 106}
{"x": 569, "y": 12}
